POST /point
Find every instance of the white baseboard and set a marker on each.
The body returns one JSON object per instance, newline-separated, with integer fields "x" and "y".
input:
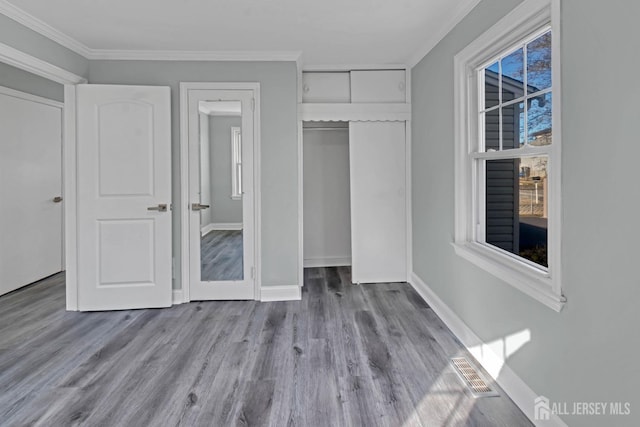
{"x": 280, "y": 293}
{"x": 327, "y": 262}
{"x": 220, "y": 226}
{"x": 494, "y": 364}
{"x": 177, "y": 297}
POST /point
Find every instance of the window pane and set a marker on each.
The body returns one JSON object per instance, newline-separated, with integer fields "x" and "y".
{"x": 513, "y": 126}
{"x": 516, "y": 207}
{"x": 491, "y": 94}
{"x": 513, "y": 76}
{"x": 539, "y": 120}
{"x": 492, "y": 130}
{"x": 539, "y": 63}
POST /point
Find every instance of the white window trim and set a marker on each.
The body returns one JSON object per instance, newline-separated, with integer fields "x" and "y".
{"x": 236, "y": 191}
{"x": 544, "y": 286}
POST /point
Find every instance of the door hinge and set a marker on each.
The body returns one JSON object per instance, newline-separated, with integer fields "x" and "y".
{"x": 253, "y": 104}
{"x": 253, "y": 272}
{"x": 173, "y": 267}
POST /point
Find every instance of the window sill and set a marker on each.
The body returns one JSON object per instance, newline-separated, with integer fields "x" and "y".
{"x": 536, "y": 284}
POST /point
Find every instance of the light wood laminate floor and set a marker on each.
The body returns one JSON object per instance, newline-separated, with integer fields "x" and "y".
{"x": 221, "y": 255}
{"x": 370, "y": 355}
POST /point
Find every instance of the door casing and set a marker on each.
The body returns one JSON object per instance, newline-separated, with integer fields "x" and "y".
{"x": 37, "y": 66}
{"x": 183, "y": 295}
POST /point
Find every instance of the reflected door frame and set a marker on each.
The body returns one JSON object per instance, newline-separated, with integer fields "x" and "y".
{"x": 249, "y": 288}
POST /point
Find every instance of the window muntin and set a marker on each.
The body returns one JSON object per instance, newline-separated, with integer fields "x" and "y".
{"x": 512, "y": 183}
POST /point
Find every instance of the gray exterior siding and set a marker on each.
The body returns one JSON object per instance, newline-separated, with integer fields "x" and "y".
{"x": 502, "y": 177}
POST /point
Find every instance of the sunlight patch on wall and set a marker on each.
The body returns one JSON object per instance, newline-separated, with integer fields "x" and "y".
{"x": 493, "y": 355}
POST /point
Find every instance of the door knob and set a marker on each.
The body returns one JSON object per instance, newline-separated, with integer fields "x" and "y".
{"x": 199, "y": 207}
{"x": 57, "y": 199}
{"x": 162, "y": 207}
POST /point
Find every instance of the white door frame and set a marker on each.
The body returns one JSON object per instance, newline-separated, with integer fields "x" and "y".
{"x": 355, "y": 112}
{"x": 184, "y": 179}
{"x": 33, "y": 65}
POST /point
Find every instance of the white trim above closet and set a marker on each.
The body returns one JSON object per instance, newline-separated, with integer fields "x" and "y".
{"x": 374, "y": 112}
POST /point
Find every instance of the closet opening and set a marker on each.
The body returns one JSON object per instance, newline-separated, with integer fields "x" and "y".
{"x": 326, "y": 194}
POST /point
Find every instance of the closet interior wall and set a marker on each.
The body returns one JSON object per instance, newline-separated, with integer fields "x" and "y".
{"x": 326, "y": 201}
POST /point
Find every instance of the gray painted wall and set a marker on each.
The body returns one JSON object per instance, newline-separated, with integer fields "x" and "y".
{"x": 327, "y": 201}
{"x": 28, "y": 41}
{"x": 573, "y": 355}
{"x": 278, "y": 139}
{"x": 223, "y": 207}
{"x": 15, "y": 78}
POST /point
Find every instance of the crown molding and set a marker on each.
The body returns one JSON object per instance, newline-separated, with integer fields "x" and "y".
{"x": 352, "y": 67}
{"x": 184, "y": 55}
{"x": 461, "y": 11}
{"x": 43, "y": 28}
{"x": 24, "y": 61}
{"x": 210, "y": 111}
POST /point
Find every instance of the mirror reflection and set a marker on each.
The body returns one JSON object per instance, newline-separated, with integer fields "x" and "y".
{"x": 221, "y": 223}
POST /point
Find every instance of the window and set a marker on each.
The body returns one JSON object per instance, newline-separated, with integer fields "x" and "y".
{"x": 236, "y": 163}
{"x": 508, "y": 151}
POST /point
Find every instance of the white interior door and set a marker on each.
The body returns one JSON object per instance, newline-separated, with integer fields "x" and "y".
{"x": 30, "y": 179}
{"x": 378, "y": 201}
{"x": 124, "y": 197}
{"x": 221, "y": 286}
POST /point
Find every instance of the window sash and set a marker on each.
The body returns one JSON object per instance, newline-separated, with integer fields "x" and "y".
{"x": 480, "y": 89}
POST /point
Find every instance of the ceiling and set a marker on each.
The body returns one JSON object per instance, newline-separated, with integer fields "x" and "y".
{"x": 326, "y": 32}
{"x": 220, "y": 108}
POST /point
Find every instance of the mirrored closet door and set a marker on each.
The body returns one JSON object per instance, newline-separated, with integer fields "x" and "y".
{"x": 221, "y": 209}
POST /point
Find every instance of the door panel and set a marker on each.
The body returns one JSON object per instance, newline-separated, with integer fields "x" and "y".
{"x": 138, "y": 237}
{"x": 378, "y": 86}
{"x": 120, "y": 132}
{"x": 124, "y": 176}
{"x": 378, "y": 201}
{"x": 30, "y": 177}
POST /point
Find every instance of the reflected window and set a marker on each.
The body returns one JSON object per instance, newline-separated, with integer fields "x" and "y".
{"x": 236, "y": 163}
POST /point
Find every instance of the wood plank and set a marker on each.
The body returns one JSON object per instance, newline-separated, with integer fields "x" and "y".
{"x": 345, "y": 355}
{"x": 221, "y": 255}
